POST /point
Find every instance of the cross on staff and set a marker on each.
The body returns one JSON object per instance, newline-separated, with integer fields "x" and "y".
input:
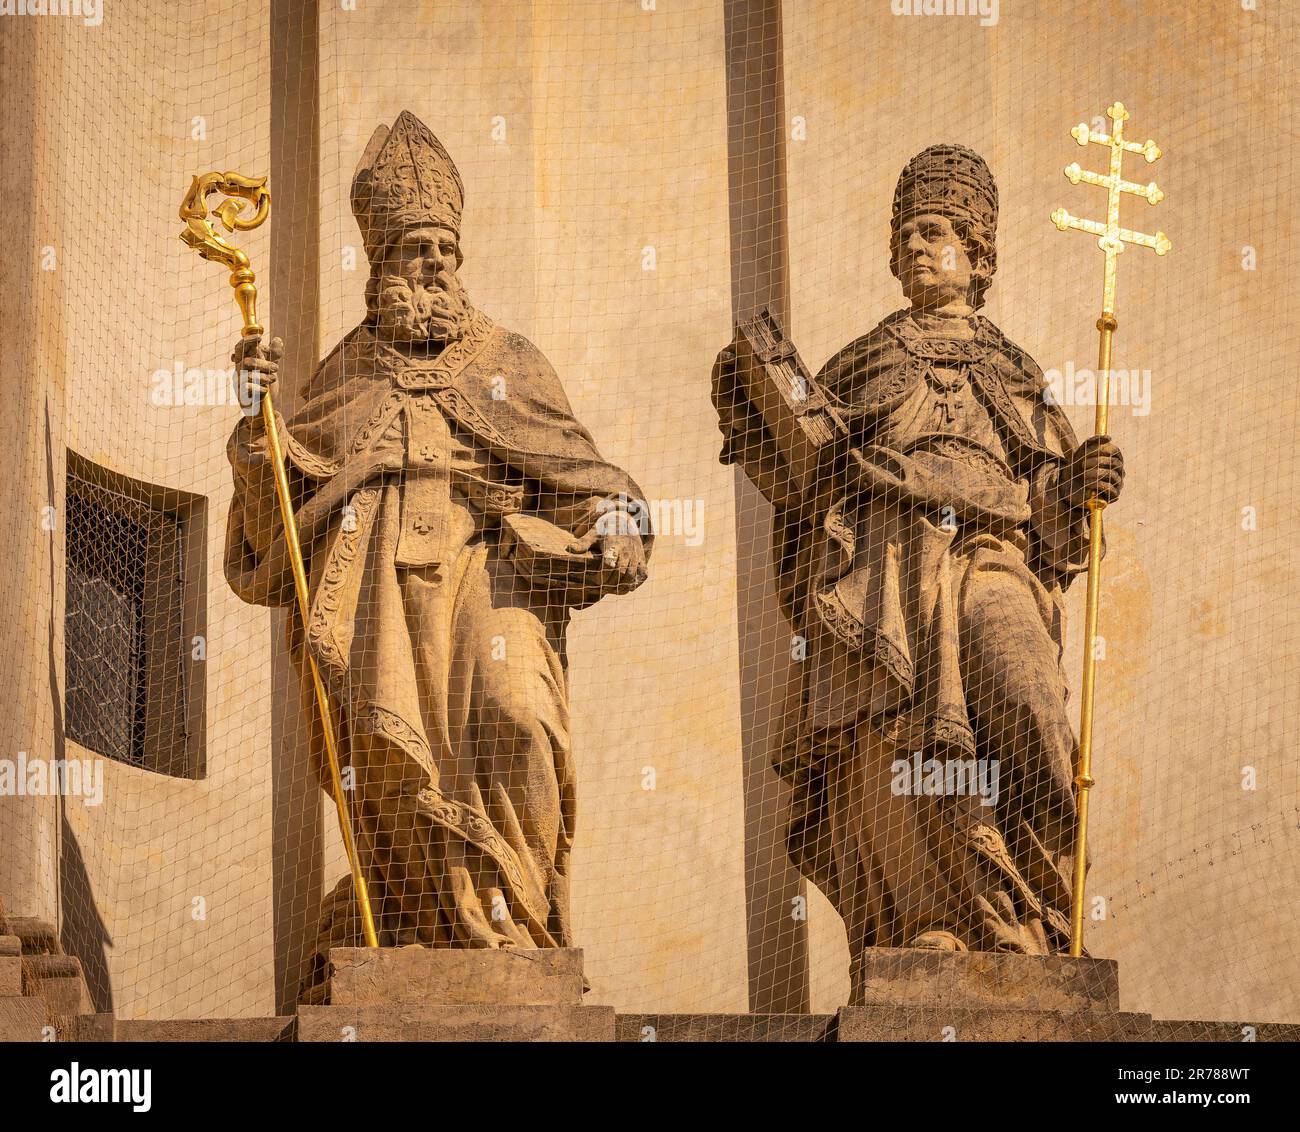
{"x": 1112, "y": 239}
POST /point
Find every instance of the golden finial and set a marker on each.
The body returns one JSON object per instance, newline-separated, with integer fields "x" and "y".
{"x": 203, "y": 238}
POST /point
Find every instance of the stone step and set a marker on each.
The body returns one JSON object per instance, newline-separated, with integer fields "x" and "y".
{"x": 11, "y": 976}
{"x": 964, "y": 1024}
{"x": 85, "y": 1028}
{"x": 204, "y": 1029}
{"x": 11, "y": 966}
{"x": 913, "y": 977}
{"x": 423, "y": 1022}
{"x": 725, "y": 1027}
{"x": 39, "y": 937}
{"x": 22, "y": 1020}
{"x": 58, "y": 980}
{"x": 361, "y": 976}
{"x": 893, "y": 1024}
{"x": 1167, "y": 1030}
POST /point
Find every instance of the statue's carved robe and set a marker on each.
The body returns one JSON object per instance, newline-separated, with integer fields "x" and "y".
{"x": 447, "y": 670}
{"x": 926, "y": 575}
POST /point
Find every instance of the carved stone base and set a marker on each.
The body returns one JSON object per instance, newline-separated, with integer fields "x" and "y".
{"x": 911, "y": 977}
{"x": 455, "y": 995}
{"x": 362, "y": 976}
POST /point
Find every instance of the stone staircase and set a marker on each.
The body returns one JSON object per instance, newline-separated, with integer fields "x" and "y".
{"x": 42, "y": 990}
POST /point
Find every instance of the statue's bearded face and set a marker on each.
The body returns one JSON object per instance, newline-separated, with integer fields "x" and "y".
{"x": 421, "y": 298}
{"x": 932, "y": 262}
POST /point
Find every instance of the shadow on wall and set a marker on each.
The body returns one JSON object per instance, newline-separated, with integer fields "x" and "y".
{"x": 82, "y": 931}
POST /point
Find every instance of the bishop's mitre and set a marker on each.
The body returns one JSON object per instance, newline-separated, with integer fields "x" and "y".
{"x": 405, "y": 179}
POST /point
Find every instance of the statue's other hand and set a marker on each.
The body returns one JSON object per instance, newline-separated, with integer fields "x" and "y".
{"x": 624, "y": 554}
{"x": 256, "y": 367}
{"x": 1094, "y": 470}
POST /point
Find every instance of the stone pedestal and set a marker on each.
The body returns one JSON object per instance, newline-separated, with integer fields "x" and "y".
{"x": 905, "y": 976}
{"x": 908, "y": 994}
{"x": 455, "y": 995}
{"x": 363, "y": 976}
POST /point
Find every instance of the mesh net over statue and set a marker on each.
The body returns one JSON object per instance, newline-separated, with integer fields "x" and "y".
{"x": 922, "y": 559}
{"x": 451, "y": 511}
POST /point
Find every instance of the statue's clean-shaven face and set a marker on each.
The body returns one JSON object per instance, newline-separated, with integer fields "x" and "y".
{"x": 421, "y": 298}
{"x": 933, "y": 264}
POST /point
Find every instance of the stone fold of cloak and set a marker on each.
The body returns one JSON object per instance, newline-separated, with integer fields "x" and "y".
{"x": 496, "y": 388}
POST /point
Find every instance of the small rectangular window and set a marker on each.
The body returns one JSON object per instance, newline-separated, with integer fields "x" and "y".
{"x": 133, "y": 623}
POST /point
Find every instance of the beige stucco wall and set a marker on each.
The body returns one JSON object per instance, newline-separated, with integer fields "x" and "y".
{"x": 28, "y": 825}
{"x": 1201, "y": 625}
{"x": 114, "y": 150}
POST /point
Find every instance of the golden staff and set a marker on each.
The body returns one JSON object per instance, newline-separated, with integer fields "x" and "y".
{"x": 202, "y": 237}
{"x": 1111, "y": 238}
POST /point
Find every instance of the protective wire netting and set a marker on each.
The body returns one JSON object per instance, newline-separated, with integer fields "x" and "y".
{"x": 741, "y": 672}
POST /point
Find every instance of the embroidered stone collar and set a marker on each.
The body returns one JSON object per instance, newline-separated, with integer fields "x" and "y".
{"x": 936, "y": 348}
{"x": 438, "y": 372}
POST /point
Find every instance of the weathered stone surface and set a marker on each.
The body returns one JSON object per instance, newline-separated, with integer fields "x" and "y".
{"x": 410, "y": 1022}
{"x": 204, "y": 1030}
{"x": 86, "y": 1028}
{"x": 10, "y": 945}
{"x": 890, "y": 1024}
{"x": 511, "y": 857}
{"x": 1193, "y": 1031}
{"x": 38, "y": 936}
{"x": 871, "y": 597}
{"x": 58, "y": 980}
{"x": 11, "y": 976}
{"x": 725, "y": 1027}
{"x": 898, "y": 1024}
{"x": 21, "y": 1019}
{"x": 456, "y": 976}
{"x": 929, "y": 1024}
{"x": 915, "y": 977}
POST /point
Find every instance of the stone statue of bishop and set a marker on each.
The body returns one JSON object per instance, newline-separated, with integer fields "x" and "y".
{"x": 928, "y": 742}
{"x": 419, "y": 444}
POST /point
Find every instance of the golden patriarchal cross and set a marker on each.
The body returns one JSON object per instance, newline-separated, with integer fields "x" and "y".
{"x": 1112, "y": 239}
